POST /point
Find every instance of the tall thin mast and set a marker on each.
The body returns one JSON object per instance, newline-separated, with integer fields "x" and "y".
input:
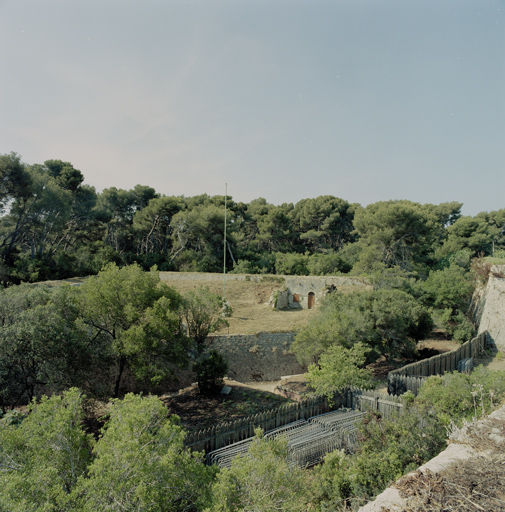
{"x": 224, "y": 252}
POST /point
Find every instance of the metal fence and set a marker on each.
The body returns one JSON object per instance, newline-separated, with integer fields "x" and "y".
{"x": 307, "y": 441}
{"x": 224, "y": 434}
{"x": 219, "y": 436}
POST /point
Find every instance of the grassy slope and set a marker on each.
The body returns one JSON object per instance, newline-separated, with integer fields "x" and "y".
{"x": 251, "y": 311}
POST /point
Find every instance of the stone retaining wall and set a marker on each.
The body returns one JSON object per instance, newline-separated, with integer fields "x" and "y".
{"x": 216, "y": 277}
{"x": 258, "y": 357}
{"x": 489, "y": 307}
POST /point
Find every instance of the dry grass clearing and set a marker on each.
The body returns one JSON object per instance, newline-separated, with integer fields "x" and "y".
{"x": 252, "y": 312}
{"x": 249, "y": 300}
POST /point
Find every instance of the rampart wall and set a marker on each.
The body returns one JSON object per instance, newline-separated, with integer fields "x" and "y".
{"x": 319, "y": 286}
{"x": 215, "y": 277}
{"x": 257, "y": 357}
{"x": 302, "y": 286}
{"x": 489, "y": 307}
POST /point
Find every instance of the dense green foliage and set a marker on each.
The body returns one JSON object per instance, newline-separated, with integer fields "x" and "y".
{"x": 458, "y": 396}
{"x": 339, "y": 368}
{"x": 43, "y": 457}
{"x": 47, "y": 463}
{"x": 260, "y": 480}
{"x": 204, "y": 313}
{"x": 42, "y": 343}
{"x": 387, "y": 450}
{"x": 388, "y": 321}
{"x": 134, "y": 317}
{"x": 121, "y": 321}
{"x": 53, "y": 226}
{"x": 140, "y": 464}
{"x": 210, "y": 370}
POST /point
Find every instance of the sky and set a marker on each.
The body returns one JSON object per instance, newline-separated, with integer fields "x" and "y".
{"x": 366, "y": 100}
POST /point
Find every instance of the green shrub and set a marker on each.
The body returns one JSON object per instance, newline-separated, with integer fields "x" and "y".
{"x": 458, "y": 396}
{"x": 291, "y": 264}
{"x": 210, "y": 371}
{"x": 388, "y": 449}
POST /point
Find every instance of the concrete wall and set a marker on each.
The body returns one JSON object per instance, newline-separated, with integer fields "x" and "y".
{"x": 257, "y": 357}
{"x": 489, "y": 307}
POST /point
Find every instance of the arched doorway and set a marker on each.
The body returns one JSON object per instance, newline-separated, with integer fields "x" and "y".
{"x": 311, "y": 300}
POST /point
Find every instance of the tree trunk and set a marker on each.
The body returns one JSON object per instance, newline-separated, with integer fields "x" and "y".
{"x": 122, "y": 366}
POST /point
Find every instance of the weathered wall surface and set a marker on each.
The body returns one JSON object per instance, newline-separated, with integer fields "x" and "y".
{"x": 489, "y": 307}
{"x": 257, "y": 357}
{"x": 318, "y": 285}
{"x": 201, "y": 276}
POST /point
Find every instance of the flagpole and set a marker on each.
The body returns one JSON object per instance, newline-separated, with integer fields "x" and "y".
{"x": 224, "y": 252}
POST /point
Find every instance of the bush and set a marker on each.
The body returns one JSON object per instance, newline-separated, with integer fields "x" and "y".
{"x": 388, "y": 449}
{"x": 458, "y": 396}
{"x": 291, "y": 264}
{"x": 458, "y": 327}
{"x": 327, "y": 264}
{"x": 261, "y": 480}
{"x": 210, "y": 371}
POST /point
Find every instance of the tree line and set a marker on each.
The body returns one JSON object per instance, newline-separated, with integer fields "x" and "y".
{"x": 54, "y": 226}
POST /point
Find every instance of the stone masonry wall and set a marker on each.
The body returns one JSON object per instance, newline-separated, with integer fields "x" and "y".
{"x": 489, "y": 307}
{"x": 216, "y": 277}
{"x": 258, "y": 357}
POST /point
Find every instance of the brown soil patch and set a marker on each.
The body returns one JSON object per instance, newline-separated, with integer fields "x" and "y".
{"x": 439, "y": 342}
{"x": 198, "y": 411}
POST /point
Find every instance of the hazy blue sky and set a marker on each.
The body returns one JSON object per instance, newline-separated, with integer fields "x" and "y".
{"x": 367, "y": 100}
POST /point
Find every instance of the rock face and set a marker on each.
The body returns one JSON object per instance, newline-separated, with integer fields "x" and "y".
{"x": 489, "y": 307}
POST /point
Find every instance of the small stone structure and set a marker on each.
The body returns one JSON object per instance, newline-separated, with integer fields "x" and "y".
{"x": 304, "y": 292}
